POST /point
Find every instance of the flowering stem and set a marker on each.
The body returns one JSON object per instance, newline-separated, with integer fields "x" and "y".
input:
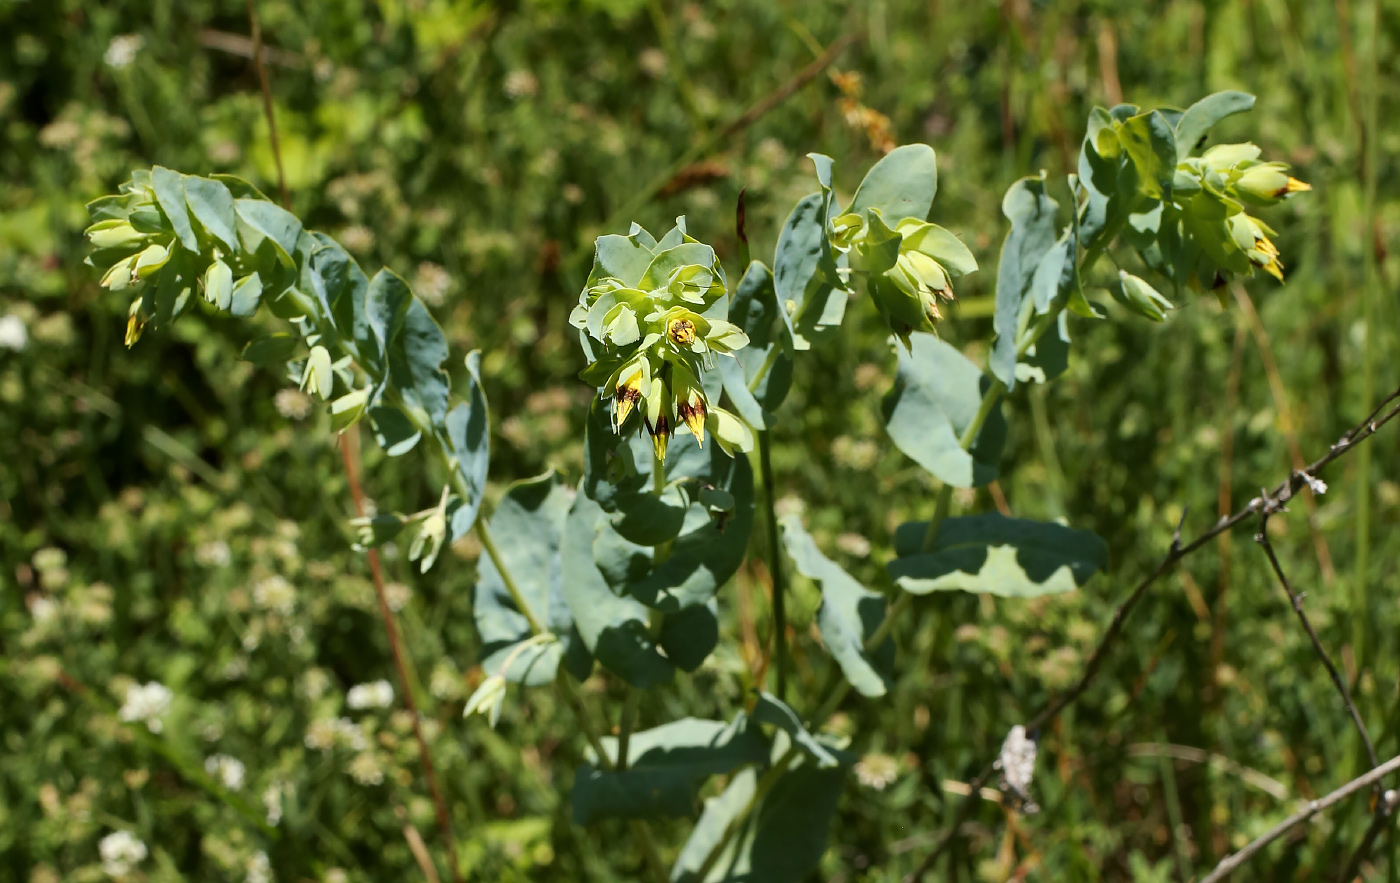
{"x": 775, "y": 564}
{"x": 767, "y": 365}
{"x": 634, "y": 695}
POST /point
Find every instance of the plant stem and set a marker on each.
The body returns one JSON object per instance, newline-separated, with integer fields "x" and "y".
{"x": 765, "y": 366}
{"x": 775, "y": 565}
{"x": 260, "y": 64}
{"x": 630, "y": 705}
{"x": 575, "y": 703}
{"x": 489, "y": 544}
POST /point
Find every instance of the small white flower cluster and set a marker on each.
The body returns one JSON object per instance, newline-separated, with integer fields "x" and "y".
{"x": 272, "y": 802}
{"x": 366, "y": 770}
{"x": 275, "y": 594}
{"x": 228, "y": 770}
{"x": 292, "y": 403}
{"x": 379, "y": 694}
{"x": 324, "y": 734}
{"x": 147, "y": 703}
{"x": 214, "y": 553}
{"x": 120, "y": 851}
{"x": 121, "y": 52}
{"x": 877, "y": 771}
{"x": 259, "y": 868}
{"x": 13, "y": 334}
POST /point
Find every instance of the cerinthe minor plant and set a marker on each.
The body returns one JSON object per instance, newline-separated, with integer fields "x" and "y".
{"x": 625, "y": 569}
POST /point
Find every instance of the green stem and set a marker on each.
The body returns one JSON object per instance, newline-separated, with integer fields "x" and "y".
{"x": 775, "y": 565}
{"x": 634, "y": 696}
{"x": 767, "y": 365}
{"x": 575, "y": 703}
{"x": 489, "y": 544}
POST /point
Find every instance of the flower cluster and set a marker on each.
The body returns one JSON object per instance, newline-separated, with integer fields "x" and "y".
{"x": 147, "y": 703}
{"x": 121, "y": 851}
{"x": 1214, "y": 190}
{"x": 649, "y": 318}
{"x": 908, "y": 269}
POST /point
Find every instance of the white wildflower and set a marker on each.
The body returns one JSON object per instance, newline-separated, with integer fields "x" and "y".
{"x": 521, "y": 84}
{"x": 214, "y": 553}
{"x": 397, "y": 595}
{"x": 336, "y": 875}
{"x": 228, "y": 770}
{"x": 320, "y": 735}
{"x": 147, "y": 703}
{"x": 853, "y": 544}
{"x": 43, "y": 608}
{"x": 350, "y": 733}
{"x": 292, "y": 403}
{"x": 272, "y": 802}
{"x": 121, "y": 52}
{"x": 275, "y": 594}
{"x": 120, "y": 851}
{"x": 13, "y": 334}
{"x": 365, "y": 769}
{"x": 259, "y": 868}
{"x": 357, "y": 238}
{"x": 431, "y": 283}
{"x": 876, "y": 771}
{"x": 378, "y": 694}
{"x": 652, "y": 61}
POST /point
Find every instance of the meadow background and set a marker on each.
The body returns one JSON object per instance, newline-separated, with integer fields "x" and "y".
{"x": 173, "y": 514}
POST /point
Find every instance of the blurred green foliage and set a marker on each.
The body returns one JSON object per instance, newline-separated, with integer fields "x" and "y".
{"x": 173, "y": 514}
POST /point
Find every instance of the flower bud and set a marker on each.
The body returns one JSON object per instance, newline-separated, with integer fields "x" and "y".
{"x": 317, "y": 378}
{"x": 487, "y": 700}
{"x": 1267, "y": 184}
{"x": 1142, "y": 298}
{"x": 150, "y": 261}
{"x": 431, "y": 535}
{"x": 690, "y": 402}
{"x": 113, "y": 234}
{"x": 1251, "y": 235}
{"x": 119, "y": 276}
{"x": 218, "y": 284}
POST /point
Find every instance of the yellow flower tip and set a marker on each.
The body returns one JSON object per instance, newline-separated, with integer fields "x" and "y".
{"x": 1294, "y": 186}
{"x": 1274, "y": 269}
{"x": 134, "y": 327}
{"x": 694, "y": 418}
{"x": 660, "y": 436}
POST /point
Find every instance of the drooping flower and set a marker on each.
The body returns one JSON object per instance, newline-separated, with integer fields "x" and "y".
{"x": 653, "y": 336}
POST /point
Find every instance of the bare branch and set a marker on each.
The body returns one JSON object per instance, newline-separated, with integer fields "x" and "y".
{"x": 1232, "y": 862}
{"x": 1382, "y": 414}
{"x": 1262, "y": 538}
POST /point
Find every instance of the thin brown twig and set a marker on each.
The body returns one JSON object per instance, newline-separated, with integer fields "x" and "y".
{"x": 1385, "y": 808}
{"x": 1280, "y": 495}
{"x": 1262, "y": 538}
{"x": 349, "y": 455}
{"x": 1231, "y": 863}
{"x": 260, "y": 63}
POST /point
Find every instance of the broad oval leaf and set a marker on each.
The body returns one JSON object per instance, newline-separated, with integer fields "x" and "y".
{"x": 1031, "y": 212}
{"x": 936, "y": 395}
{"x": 615, "y": 628}
{"x": 170, "y": 194}
{"x": 468, "y": 435}
{"x": 811, "y": 308}
{"x": 848, "y": 616}
{"x": 666, "y": 767}
{"x": 528, "y": 528}
{"x": 901, "y": 185}
{"x": 1200, "y": 117}
{"x": 996, "y": 555}
{"x": 754, "y": 308}
{"x": 211, "y": 203}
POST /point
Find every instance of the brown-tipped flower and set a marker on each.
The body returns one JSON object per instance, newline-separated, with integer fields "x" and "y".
{"x": 660, "y": 435}
{"x": 693, "y": 415}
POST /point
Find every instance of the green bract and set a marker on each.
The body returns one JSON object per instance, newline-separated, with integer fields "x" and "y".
{"x": 652, "y": 317}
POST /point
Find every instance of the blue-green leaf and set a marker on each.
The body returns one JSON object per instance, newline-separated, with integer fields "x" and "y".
{"x": 665, "y": 769}
{"x": 937, "y": 394}
{"x": 1200, "y": 117}
{"x": 996, "y": 555}
{"x": 211, "y": 203}
{"x": 1151, "y": 144}
{"x": 811, "y": 308}
{"x": 1031, "y": 212}
{"x": 528, "y": 528}
{"x": 341, "y": 287}
{"x": 769, "y": 709}
{"x": 785, "y": 838}
{"x": 270, "y": 349}
{"x": 754, "y": 308}
{"x": 468, "y": 434}
{"x": 848, "y": 616}
{"x": 170, "y": 193}
{"x": 260, "y": 221}
{"x": 616, "y": 629}
{"x": 901, "y": 185}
